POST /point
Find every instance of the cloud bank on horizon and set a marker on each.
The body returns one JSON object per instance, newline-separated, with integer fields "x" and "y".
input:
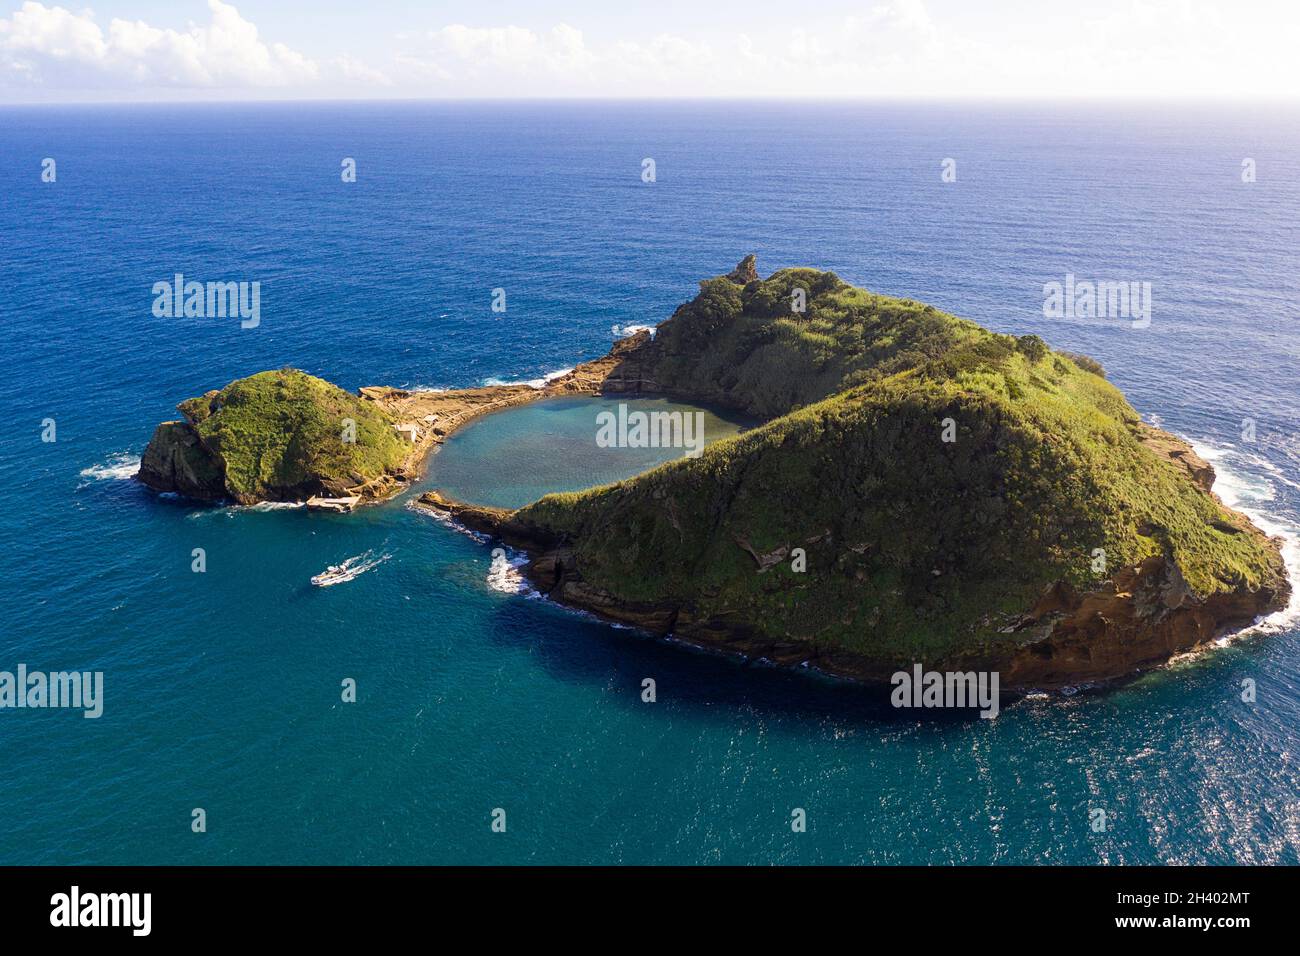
{"x": 889, "y": 48}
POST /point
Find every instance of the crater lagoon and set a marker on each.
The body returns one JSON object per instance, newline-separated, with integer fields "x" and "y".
{"x": 515, "y": 456}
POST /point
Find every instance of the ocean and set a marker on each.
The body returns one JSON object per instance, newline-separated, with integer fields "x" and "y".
{"x": 222, "y": 688}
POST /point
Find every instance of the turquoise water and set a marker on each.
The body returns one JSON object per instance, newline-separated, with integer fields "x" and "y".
{"x": 223, "y": 688}
{"x": 513, "y": 457}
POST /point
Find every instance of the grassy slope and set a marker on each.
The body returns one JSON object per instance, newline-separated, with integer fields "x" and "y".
{"x": 750, "y": 351}
{"x": 282, "y": 430}
{"x": 1045, "y": 468}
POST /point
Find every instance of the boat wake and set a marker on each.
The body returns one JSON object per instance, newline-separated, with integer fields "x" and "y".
{"x": 350, "y": 569}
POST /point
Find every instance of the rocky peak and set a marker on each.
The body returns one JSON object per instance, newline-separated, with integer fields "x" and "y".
{"x": 745, "y": 272}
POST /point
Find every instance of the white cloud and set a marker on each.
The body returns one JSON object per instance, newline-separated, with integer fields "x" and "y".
{"x": 887, "y": 48}
{"x": 513, "y": 60}
{"x": 894, "y": 48}
{"x": 505, "y": 52}
{"x": 850, "y": 55}
{"x": 352, "y": 69}
{"x": 53, "y": 47}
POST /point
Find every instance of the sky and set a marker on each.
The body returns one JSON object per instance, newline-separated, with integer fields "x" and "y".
{"x": 178, "y": 50}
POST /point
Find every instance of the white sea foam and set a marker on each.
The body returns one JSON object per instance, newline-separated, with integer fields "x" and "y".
{"x": 116, "y": 467}
{"x": 506, "y": 573}
{"x": 1247, "y": 482}
{"x": 232, "y": 511}
{"x": 532, "y": 382}
{"x": 627, "y": 331}
{"x": 444, "y": 518}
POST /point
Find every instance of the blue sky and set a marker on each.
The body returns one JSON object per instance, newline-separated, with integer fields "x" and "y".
{"x": 128, "y": 50}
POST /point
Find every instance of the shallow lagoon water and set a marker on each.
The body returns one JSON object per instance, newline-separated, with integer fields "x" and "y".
{"x": 512, "y": 457}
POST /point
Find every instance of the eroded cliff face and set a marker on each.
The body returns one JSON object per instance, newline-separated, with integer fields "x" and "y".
{"x": 176, "y": 461}
{"x": 1141, "y": 618}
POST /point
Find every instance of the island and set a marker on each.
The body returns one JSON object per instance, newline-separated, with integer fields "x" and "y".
{"x": 921, "y": 490}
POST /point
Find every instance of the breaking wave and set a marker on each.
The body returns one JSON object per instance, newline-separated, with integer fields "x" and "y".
{"x": 532, "y": 382}
{"x": 117, "y": 467}
{"x": 447, "y": 520}
{"x": 506, "y": 573}
{"x": 1249, "y": 483}
{"x": 627, "y": 331}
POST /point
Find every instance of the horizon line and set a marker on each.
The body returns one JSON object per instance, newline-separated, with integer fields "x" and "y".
{"x": 1281, "y": 99}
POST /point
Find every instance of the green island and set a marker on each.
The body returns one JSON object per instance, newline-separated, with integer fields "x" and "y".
{"x": 275, "y": 436}
{"x": 923, "y": 490}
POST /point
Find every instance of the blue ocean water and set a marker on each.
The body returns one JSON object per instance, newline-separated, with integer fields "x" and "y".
{"x": 222, "y": 689}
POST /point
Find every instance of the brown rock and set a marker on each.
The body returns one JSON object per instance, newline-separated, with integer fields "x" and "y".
{"x": 746, "y": 271}
{"x": 176, "y": 461}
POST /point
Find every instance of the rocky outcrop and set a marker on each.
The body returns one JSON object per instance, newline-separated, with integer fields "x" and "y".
{"x": 1179, "y": 452}
{"x": 745, "y": 272}
{"x": 279, "y": 435}
{"x": 176, "y": 461}
{"x": 1140, "y": 618}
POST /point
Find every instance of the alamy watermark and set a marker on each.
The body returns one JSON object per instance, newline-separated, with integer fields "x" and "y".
{"x": 83, "y": 690}
{"x": 213, "y": 300}
{"x": 952, "y": 689}
{"x": 1103, "y": 299}
{"x": 638, "y": 429}
{"x": 128, "y": 910}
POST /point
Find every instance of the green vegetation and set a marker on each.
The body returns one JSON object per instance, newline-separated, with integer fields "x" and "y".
{"x": 279, "y": 436}
{"x": 916, "y": 547}
{"x": 745, "y": 347}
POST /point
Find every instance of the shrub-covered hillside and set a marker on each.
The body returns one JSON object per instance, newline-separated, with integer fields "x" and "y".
{"x": 744, "y": 346}
{"x": 275, "y": 435}
{"x": 916, "y": 548}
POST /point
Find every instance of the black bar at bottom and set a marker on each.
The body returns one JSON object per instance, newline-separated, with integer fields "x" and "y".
{"x": 336, "y": 903}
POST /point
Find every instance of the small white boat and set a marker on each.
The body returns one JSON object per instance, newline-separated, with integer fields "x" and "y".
{"x": 349, "y": 569}
{"x": 334, "y": 574}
